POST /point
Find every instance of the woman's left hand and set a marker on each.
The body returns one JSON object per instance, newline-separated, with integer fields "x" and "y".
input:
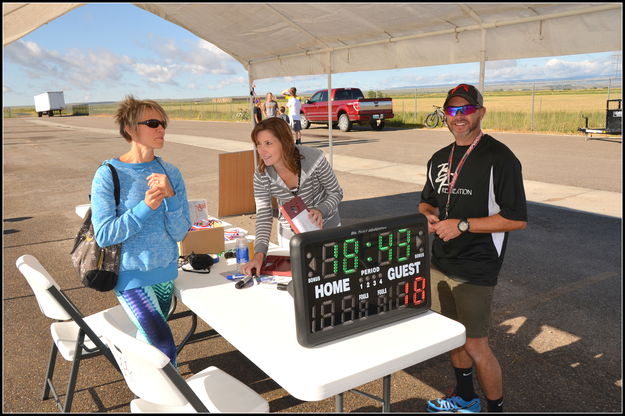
{"x": 316, "y": 217}
{"x": 160, "y": 182}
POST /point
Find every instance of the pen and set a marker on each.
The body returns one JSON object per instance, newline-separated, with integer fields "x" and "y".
{"x": 234, "y": 276}
{"x": 241, "y": 283}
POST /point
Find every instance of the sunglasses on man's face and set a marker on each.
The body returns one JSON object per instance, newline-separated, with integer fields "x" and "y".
{"x": 153, "y": 123}
{"x": 465, "y": 109}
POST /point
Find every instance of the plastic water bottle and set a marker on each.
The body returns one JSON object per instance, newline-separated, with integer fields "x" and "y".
{"x": 242, "y": 250}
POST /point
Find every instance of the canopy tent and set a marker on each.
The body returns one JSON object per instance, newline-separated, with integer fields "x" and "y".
{"x": 288, "y": 39}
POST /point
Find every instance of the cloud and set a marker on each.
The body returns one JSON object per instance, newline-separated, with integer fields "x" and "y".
{"x": 226, "y": 82}
{"x": 559, "y": 67}
{"x": 553, "y": 68}
{"x": 79, "y": 69}
{"x": 83, "y": 68}
{"x": 201, "y": 57}
{"x": 158, "y": 74}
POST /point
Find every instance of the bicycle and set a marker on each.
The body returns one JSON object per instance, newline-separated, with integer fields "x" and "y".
{"x": 435, "y": 118}
{"x": 243, "y": 114}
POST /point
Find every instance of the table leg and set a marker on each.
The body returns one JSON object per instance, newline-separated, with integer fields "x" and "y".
{"x": 191, "y": 330}
{"x": 386, "y": 394}
{"x": 385, "y": 400}
{"x": 338, "y": 399}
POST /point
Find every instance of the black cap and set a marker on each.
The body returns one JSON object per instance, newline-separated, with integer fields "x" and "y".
{"x": 466, "y": 91}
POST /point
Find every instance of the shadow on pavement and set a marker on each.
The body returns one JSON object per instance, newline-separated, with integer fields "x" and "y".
{"x": 556, "y": 325}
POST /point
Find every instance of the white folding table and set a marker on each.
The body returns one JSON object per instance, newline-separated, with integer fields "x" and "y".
{"x": 260, "y": 323}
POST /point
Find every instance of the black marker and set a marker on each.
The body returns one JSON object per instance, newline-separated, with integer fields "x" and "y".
{"x": 241, "y": 283}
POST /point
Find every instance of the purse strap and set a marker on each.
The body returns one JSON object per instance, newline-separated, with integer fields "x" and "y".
{"x": 115, "y": 183}
{"x": 116, "y": 191}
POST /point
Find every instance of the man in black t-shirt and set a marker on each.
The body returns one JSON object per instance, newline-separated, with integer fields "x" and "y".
{"x": 473, "y": 197}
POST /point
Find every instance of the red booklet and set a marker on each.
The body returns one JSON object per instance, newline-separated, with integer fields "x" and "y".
{"x": 276, "y": 266}
{"x": 296, "y": 213}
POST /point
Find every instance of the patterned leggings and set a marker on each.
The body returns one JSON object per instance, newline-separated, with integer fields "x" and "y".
{"x": 148, "y": 308}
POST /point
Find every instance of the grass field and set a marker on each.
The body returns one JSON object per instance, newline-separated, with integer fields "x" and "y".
{"x": 554, "y": 111}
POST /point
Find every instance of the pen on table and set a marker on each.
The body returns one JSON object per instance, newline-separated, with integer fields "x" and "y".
{"x": 235, "y": 276}
{"x": 241, "y": 283}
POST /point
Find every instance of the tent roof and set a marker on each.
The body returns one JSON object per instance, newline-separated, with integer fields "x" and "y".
{"x": 286, "y": 39}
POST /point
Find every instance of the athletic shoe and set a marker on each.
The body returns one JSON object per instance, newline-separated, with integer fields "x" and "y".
{"x": 454, "y": 404}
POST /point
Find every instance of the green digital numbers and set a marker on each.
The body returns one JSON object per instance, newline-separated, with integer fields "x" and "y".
{"x": 385, "y": 248}
{"x": 350, "y": 254}
{"x": 346, "y": 257}
{"x": 403, "y": 245}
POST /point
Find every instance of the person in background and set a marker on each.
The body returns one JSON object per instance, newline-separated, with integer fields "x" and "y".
{"x": 473, "y": 197}
{"x": 294, "y": 105}
{"x": 270, "y": 106}
{"x": 286, "y": 170}
{"x": 258, "y": 113}
{"x": 152, "y": 217}
{"x": 282, "y": 114}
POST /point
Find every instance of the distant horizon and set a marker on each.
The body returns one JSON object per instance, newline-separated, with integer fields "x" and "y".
{"x": 509, "y": 83}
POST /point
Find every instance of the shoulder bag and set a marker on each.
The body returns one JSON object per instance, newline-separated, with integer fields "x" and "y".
{"x": 97, "y": 267}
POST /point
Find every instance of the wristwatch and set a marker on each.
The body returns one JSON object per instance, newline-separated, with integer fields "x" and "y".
{"x": 463, "y": 225}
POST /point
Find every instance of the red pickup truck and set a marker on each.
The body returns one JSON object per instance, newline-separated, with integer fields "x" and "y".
{"x": 348, "y": 106}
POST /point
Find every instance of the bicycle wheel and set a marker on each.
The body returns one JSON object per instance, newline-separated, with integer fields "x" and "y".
{"x": 431, "y": 120}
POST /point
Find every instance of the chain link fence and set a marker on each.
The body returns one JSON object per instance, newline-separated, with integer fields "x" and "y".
{"x": 541, "y": 106}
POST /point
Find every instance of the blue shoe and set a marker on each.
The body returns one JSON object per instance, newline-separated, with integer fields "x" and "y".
{"x": 454, "y": 404}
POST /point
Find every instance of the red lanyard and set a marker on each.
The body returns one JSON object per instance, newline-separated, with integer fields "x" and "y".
{"x": 457, "y": 172}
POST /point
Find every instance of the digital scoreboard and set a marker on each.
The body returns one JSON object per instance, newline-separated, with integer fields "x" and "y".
{"x": 353, "y": 278}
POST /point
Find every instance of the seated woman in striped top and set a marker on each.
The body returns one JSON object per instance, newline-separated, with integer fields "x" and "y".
{"x": 286, "y": 170}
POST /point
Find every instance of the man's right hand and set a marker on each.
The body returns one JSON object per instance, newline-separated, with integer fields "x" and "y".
{"x": 432, "y": 220}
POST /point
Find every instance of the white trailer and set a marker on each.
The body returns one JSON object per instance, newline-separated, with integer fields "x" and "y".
{"x": 49, "y": 102}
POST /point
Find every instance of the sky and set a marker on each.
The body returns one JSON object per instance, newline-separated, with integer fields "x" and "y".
{"x": 103, "y": 52}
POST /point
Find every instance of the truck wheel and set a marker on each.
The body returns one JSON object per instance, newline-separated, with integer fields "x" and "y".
{"x": 304, "y": 121}
{"x": 377, "y": 124}
{"x": 344, "y": 123}
{"x": 39, "y": 113}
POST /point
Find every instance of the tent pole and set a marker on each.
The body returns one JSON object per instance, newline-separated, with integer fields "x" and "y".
{"x": 252, "y": 96}
{"x": 483, "y": 61}
{"x": 330, "y": 142}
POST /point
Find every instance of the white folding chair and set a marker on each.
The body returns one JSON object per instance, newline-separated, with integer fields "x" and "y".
{"x": 160, "y": 388}
{"x": 74, "y": 335}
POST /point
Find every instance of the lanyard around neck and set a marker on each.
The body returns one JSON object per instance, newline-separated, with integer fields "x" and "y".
{"x": 450, "y": 186}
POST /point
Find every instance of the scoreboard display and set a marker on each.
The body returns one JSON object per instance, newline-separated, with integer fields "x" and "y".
{"x": 353, "y": 278}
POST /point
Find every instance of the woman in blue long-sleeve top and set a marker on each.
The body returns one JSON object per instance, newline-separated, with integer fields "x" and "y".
{"x": 153, "y": 215}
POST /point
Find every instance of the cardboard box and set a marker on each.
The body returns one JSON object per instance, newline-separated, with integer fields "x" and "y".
{"x": 205, "y": 241}
{"x": 209, "y": 241}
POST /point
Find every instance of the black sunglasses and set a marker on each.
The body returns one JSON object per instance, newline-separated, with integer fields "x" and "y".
{"x": 153, "y": 123}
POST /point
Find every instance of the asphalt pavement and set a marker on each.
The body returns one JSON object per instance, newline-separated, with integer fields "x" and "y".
{"x": 557, "y": 322}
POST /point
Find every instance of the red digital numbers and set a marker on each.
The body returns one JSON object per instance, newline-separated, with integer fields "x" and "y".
{"x": 418, "y": 296}
{"x": 347, "y": 309}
